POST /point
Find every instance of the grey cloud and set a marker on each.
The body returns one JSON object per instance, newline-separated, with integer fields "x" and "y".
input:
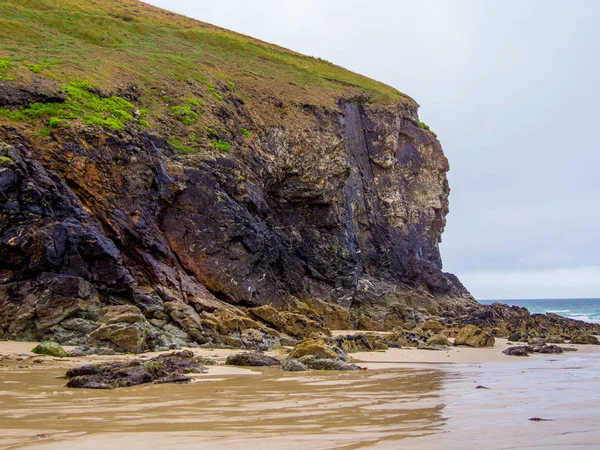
{"x": 510, "y": 87}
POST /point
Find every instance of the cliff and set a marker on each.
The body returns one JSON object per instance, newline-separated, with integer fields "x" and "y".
{"x": 163, "y": 181}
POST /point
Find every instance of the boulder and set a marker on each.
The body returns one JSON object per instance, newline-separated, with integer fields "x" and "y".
{"x": 293, "y": 365}
{"x": 124, "y": 329}
{"x": 438, "y": 339}
{"x": 519, "y": 350}
{"x": 124, "y": 338}
{"x": 330, "y": 364}
{"x": 353, "y": 343}
{"x": 187, "y": 318}
{"x": 585, "y": 339}
{"x": 314, "y": 347}
{"x": 548, "y": 349}
{"x": 50, "y": 348}
{"x": 432, "y": 325}
{"x": 473, "y": 336}
{"x": 515, "y": 337}
{"x": 252, "y": 359}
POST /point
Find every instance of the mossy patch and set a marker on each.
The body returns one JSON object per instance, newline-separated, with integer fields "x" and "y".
{"x": 6, "y": 162}
{"x": 5, "y": 65}
{"x": 83, "y": 103}
{"x": 214, "y": 92}
{"x": 50, "y": 348}
{"x": 185, "y": 114}
{"x": 177, "y": 145}
{"x": 222, "y": 146}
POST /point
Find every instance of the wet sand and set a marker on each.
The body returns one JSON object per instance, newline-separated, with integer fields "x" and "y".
{"x": 409, "y": 399}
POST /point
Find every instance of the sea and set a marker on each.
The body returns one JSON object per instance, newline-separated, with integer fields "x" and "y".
{"x": 585, "y": 309}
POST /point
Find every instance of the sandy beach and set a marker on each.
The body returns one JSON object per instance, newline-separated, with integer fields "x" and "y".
{"x": 407, "y": 398}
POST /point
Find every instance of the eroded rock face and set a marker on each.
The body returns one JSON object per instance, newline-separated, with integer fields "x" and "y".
{"x": 331, "y": 221}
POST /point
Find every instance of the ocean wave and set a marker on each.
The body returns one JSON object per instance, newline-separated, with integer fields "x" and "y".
{"x": 558, "y": 310}
{"x": 590, "y": 318}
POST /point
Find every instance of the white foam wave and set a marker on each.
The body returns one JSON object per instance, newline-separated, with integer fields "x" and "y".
{"x": 558, "y": 310}
{"x": 585, "y": 318}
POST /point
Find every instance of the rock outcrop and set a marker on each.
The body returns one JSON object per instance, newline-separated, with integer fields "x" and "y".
{"x": 242, "y": 210}
{"x": 167, "y": 368}
{"x": 473, "y": 336}
{"x": 332, "y": 225}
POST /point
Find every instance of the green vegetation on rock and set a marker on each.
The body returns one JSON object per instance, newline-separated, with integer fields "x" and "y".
{"x": 83, "y": 102}
{"x": 177, "y": 145}
{"x": 221, "y": 145}
{"x": 50, "y": 348}
{"x": 5, "y": 65}
{"x": 125, "y": 63}
{"x": 185, "y": 114}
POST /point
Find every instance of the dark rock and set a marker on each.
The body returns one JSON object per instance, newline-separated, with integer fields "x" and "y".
{"x": 293, "y": 365}
{"x": 168, "y": 368}
{"x": 353, "y": 343}
{"x": 252, "y": 359}
{"x": 329, "y": 364}
{"x": 514, "y": 321}
{"x": 520, "y": 350}
{"x": 515, "y": 337}
{"x": 86, "y": 350}
{"x": 40, "y": 90}
{"x": 548, "y": 349}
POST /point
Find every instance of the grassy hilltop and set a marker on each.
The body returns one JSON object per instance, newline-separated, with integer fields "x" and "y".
{"x": 125, "y": 63}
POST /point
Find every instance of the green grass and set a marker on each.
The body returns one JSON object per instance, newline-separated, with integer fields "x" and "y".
{"x": 180, "y": 65}
{"x": 214, "y": 92}
{"x": 54, "y": 122}
{"x": 222, "y": 146}
{"x": 5, "y": 65}
{"x": 82, "y": 103}
{"x": 177, "y": 145}
{"x": 185, "y": 114}
{"x": 245, "y": 132}
{"x": 424, "y": 126}
{"x": 104, "y": 36}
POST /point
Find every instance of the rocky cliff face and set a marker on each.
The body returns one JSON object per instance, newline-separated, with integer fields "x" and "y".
{"x": 338, "y": 220}
{"x": 230, "y": 192}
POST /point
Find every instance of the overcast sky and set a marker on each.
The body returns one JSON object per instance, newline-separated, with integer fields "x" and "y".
{"x": 512, "y": 88}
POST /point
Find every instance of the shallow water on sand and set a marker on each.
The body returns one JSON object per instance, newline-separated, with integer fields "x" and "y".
{"x": 425, "y": 406}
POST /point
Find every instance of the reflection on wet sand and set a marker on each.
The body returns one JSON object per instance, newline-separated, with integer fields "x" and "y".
{"x": 273, "y": 409}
